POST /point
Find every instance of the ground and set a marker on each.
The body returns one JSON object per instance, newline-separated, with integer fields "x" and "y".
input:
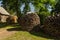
{"x": 4, "y": 33}
{"x": 15, "y": 33}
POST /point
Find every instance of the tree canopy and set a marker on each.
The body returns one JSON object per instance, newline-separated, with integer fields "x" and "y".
{"x": 38, "y": 4}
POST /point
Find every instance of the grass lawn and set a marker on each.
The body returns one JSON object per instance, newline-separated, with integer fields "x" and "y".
{"x": 24, "y": 35}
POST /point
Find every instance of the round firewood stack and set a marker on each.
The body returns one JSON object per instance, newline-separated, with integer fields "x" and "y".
{"x": 52, "y": 25}
{"x": 29, "y": 21}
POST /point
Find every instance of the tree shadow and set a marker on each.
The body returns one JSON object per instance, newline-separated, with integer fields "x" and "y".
{"x": 3, "y": 25}
{"x": 42, "y": 34}
{"x": 36, "y": 31}
{"x": 14, "y": 29}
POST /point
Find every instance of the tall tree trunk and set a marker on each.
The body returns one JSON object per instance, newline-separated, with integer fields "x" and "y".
{"x": 18, "y": 11}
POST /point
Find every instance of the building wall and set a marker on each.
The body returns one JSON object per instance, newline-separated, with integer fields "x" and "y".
{"x": 3, "y": 18}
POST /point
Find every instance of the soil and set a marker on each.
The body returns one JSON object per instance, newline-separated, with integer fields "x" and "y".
{"x": 4, "y": 33}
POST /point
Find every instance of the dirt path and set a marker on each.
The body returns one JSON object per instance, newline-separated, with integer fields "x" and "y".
{"x": 4, "y": 33}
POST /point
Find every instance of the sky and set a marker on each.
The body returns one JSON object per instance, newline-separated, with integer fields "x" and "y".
{"x": 0, "y": 3}
{"x": 31, "y": 6}
{"x": 49, "y": 8}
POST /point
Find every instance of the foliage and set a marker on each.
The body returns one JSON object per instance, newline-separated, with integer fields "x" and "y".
{"x": 56, "y": 8}
{"x": 27, "y": 7}
{"x": 42, "y": 3}
{"x": 43, "y": 15}
{"x": 41, "y": 6}
{"x": 12, "y": 6}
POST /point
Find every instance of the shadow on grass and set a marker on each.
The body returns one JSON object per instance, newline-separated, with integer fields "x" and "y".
{"x": 36, "y": 32}
{"x": 44, "y": 35}
{"x": 14, "y": 29}
{"x": 2, "y": 25}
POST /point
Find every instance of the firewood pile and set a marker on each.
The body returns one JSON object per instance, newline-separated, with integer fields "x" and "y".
{"x": 29, "y": 21}
{"x": 52, "y": 25}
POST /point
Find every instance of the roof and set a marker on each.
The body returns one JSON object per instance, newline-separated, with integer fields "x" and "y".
{"x": 3, "y": 11}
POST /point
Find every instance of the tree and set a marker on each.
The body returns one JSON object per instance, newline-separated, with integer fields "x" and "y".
{"x": 27, "y": 7}
{"x": 13, "y": 6}
{"x": 41, "y": 7}
{"x": 56, "y": 8}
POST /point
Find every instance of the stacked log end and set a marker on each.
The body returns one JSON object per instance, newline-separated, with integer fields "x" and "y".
{"x": 29, "y": 21}
{"x": 52, "y": 26}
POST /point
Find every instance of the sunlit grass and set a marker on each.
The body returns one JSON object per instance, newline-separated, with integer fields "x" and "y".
{"x": 24, "y": 35}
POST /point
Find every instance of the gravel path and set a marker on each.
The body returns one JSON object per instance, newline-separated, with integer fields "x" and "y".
{"x": 4, "y": 33}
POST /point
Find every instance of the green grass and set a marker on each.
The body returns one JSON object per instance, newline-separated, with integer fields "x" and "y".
{"x": 24, "y": 35}
{"x": 21, "y": 35}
